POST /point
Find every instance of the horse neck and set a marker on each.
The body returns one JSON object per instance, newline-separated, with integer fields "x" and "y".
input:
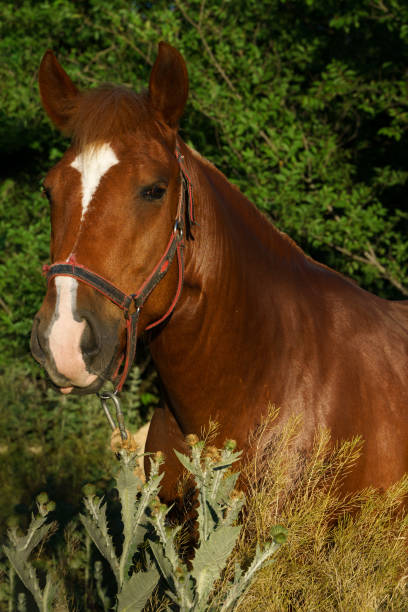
{"x": 234, "y": 252}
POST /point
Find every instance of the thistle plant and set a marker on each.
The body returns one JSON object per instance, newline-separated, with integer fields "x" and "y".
{"x": 219, "y": 504}
{"x": 205, "y": 584}
{"x": 136, "y": 497}
{"x": 20, "y": 549}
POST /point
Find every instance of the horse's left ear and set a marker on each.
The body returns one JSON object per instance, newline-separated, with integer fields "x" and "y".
{"x": 168, "y": 85}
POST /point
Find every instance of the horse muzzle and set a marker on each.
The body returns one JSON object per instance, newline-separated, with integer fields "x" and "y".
{"x": 78, "y": 354}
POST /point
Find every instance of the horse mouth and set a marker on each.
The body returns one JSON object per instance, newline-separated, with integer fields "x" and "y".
{"x": 68, "y": 387}
{"x": 94, "y": 387}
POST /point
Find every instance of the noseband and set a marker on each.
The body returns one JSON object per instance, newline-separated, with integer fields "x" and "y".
{"x": 132, "y": 303}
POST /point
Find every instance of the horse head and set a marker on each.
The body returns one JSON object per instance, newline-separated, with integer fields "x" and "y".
{"x": 117, "y": 214}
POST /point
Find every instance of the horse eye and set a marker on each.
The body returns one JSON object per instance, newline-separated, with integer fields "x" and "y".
{"x": 153, "y": 193}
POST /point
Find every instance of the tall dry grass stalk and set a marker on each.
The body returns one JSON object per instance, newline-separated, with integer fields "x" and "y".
{"x": 342, "y": 553}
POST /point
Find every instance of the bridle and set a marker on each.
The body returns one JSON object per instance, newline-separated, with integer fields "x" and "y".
{"x": 131, "y": 304}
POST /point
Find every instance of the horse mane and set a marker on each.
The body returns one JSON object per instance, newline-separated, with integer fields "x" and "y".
{"x": 107, "y": 112}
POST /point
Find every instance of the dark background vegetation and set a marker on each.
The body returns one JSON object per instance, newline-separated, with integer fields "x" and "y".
{"x": 303, "y": 104}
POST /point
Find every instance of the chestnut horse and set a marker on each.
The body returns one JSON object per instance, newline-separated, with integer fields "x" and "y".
{"x": 150, "y": 238}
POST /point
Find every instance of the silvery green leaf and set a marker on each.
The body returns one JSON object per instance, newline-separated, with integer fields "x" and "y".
{"x": 185, "y": 461}
{"x": 137, "y": 590}
{"x": 226, "y": 486}
{"x": 227, "y": 459}
{"x": 28, "y": 576}
{"x": 211, "y": 557}
{"x": 128, "y": 486}
{"x": 163, "y": 563}
{"x": 98, "y": 532}
{"x": 239, "y": 586}
{"x": 36, "y": 532}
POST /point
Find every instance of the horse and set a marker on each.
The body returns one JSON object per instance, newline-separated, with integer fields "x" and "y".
{"x": 150, "y": 240}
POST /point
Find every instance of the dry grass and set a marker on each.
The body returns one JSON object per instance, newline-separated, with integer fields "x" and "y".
{"x": 347, "y": 554}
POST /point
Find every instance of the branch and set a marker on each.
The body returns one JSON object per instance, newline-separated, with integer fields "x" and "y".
{"x": 5, "y": 307}
{"x": 218, "y": 67}
{"x": 371, "y": 259}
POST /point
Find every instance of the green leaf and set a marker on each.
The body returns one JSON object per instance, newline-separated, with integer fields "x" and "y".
{"x": 185, "y": 461}
{"x": 211, "y": 557}
{"x": 137, "y": 590}
{"x": 163, "y": 563}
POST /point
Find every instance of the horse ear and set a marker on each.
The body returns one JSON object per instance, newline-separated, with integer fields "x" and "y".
{"x": 58, "y": 92}
{"x": 168, "y": 85}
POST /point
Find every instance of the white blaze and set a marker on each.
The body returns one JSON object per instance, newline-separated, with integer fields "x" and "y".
{"x": 64, "y": 332}
{"x": 92, "y": 163}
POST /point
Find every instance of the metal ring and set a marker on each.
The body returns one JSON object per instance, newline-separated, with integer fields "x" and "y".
{"x": 178, "y": 228}
{"x": 105, "y": 395}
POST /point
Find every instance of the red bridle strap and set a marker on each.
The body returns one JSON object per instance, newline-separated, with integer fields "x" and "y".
{"x": 131, "y": 304}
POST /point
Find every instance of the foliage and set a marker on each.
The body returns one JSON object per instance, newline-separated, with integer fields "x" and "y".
{"x": 344, "y": 552}
{"x": 143, "y": 518}
{"x": 218, "y": 509}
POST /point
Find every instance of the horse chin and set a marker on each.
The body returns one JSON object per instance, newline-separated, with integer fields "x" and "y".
{"x": 94, "y": 387}
{"x": 87, "y": 382}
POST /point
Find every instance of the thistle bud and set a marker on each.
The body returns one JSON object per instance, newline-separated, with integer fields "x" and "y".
{"x": 42, "y": 498}
{"x": 159, "y": 457}
{"x": 89, "y": 490}
{"x": 279, "y": 534}
{"x": 230, "y": 445}
{"x": 191, "y": 440}
{"x": 179, "y": 572}
{"x": 155, "y": 507}
{"x": 50, "y": 507}
{"x": 212, "y": 453}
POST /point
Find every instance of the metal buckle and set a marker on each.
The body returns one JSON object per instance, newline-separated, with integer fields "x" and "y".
{"x": 178, "y": 228}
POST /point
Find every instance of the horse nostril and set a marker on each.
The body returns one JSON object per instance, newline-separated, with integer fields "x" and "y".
{"x": 90, "y": 341}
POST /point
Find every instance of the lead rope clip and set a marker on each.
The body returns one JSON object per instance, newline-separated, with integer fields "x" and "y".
{"x": 104, "y": 397}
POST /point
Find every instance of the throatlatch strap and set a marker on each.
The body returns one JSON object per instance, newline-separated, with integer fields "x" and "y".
{"x": 131, "y": 344}
{"x": 126, "y": 301}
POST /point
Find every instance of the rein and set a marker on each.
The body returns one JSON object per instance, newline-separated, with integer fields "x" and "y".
{"x": 131, "y": 304}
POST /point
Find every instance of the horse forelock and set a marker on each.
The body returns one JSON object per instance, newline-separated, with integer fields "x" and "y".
{"x": 107, "y": 113}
